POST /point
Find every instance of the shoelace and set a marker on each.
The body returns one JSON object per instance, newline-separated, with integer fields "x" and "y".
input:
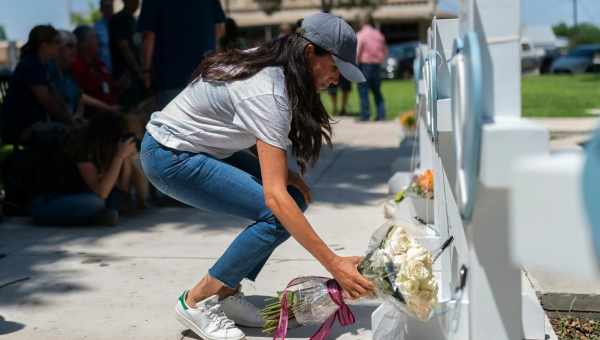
{"x": 217, "y": 314}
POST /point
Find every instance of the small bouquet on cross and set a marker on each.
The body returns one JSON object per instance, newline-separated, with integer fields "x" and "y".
{"x": 398, "y": 266}
{"x": 420, "y": 191}
{"x": 408, "y": 122}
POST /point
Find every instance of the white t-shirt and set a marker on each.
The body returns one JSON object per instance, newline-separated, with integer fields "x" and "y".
{"x": 221, "y": 118}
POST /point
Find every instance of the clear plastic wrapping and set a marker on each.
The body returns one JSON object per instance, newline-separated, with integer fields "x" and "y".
{"x": 398, "y": 266}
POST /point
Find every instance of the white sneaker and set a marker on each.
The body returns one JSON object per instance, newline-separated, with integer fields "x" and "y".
{"x": 207, "y": 319}
{"x": 241, "y": 311}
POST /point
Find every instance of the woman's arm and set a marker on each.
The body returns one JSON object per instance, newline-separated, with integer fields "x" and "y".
{"x": 104, "y": 184}
{"x": 125, "y": 175}
{"x": 148, "y": 43}
{"x": 101, "y": 185}
{"x": 274, "y": 171}
{"x": 91, "y": 101}
{"x": 55, "y": 107}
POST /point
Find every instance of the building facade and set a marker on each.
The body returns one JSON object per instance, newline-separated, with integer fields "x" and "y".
{"x": 399, "y": 20}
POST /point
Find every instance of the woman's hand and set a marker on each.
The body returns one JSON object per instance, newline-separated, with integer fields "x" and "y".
{"x": 345, "y": 272}
{"x": 297, "y": 182}
{"x": 126, "y": 148}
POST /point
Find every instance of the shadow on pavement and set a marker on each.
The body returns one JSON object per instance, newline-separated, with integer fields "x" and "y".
{"x": 348, "y": 176}
{"x": 7, "y": 327}
{"x": 362, "y": 313}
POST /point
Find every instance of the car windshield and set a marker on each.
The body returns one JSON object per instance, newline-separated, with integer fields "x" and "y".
{"x": 584, "y": 52}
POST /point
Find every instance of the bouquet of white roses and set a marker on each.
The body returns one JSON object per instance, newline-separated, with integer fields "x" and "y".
{"x": 399, "y": 267}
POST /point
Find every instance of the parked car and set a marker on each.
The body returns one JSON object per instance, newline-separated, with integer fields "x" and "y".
{"x": 550, "y": 55}
{"x": 540, "y": 41}
{"x": 399, "y": 62}
{"x": 531, "y": 57}
{"x": 584, "y": 58}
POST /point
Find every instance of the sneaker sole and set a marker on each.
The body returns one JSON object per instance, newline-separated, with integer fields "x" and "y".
{"x": 192, "y": 326}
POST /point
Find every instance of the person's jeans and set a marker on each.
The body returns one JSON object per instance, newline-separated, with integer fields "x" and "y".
{"x": 233, "y": 186}
{"x": 373, "y": 83}
{"x": 72, "y": 209}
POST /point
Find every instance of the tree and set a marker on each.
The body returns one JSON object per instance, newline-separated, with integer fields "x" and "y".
{"x": 2, "y": 33}
{"x": 88, "y": 18}
{"x": 584, "y": 33}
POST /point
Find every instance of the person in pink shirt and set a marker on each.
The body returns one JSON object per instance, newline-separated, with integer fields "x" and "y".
{"x": 371, "y": 54}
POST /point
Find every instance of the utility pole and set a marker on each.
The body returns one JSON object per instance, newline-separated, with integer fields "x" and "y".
{"x": 574, "y": 13}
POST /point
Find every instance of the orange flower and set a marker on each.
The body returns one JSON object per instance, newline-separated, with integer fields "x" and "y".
{"x": 408, "y": 119}
{"x": 425, "y": 181}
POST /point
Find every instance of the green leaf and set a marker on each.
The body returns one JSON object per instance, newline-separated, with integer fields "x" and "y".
{"x": 400, "y": 196}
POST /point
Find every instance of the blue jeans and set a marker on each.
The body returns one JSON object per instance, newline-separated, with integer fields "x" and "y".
{"x": 373, "y": 83}
{"x": 72, "y": 209}
{"x": 233, "y": 186}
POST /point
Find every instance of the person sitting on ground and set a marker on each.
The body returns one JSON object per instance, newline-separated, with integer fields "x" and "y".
{"x": 90, "y": 179}
{"x": 90, "y": 73}
{"x": 31, "y": 101}
{"x": 65, "y": 85}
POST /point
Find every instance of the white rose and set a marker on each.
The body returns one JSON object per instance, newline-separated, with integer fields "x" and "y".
{"x": 399, "y": 242}
{"x": 407, "y": 286}
{"x": 399, "y": 261}
{"x": 416, "y": 270}
{"x": 418, "y": 253}
{"x": 378, "y": 259}
{"x": 420, "y": 309}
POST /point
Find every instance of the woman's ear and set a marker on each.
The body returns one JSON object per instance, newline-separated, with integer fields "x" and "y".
{"x": 309, "y": 51}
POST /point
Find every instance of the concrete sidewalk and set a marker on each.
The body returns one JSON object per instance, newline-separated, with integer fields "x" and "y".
{"x": 566, "y": 134}
{"x": 122, "y": 282}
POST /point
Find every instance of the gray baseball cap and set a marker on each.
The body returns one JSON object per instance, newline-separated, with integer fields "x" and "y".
{"x": 334, "y": 35}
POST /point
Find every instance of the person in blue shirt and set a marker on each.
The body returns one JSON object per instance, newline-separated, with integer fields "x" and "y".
{"x": 31, "y": 102}
{"x": 101, "y": 28}
{"x": 176, "y": 34}
{"x": 65, "y": 85}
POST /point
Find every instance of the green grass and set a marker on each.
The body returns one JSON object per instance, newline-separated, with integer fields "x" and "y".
{"x": 560, "y": 95}
{"x": 543, "y": 96}
{"x": 398, "y": 95}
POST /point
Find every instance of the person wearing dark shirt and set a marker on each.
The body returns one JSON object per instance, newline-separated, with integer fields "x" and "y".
{"x": 176, "y": 34}
{"x": 89, "y": 177}
{"x": 31, "y": 102}
{"x": 232, "y": 38}
{"x": 89, "y": 71}
{"x": 125, "y": 54}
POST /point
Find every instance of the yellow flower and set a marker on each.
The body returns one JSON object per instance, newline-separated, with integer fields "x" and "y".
{"x": 408, "y": 119}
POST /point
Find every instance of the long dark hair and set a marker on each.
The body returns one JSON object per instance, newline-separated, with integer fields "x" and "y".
{"x": 99, "y": 139}
{"x": 310, "y": 122}
{"x": 37, "y": 36}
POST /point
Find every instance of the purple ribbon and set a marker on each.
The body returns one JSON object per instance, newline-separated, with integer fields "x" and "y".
{"x": 343, "y": 313}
